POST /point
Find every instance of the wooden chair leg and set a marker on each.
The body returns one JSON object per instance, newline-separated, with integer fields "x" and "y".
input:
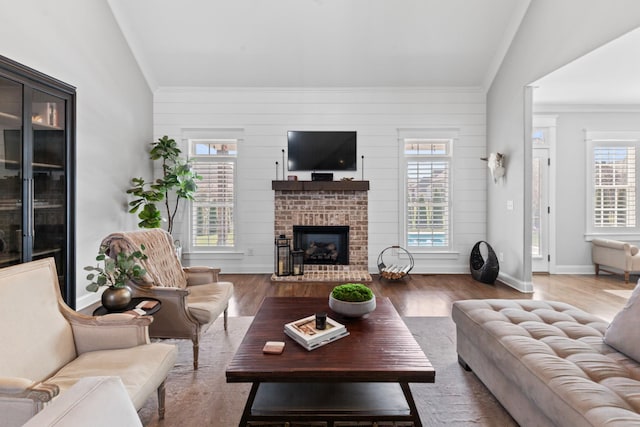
{"x": 196, "y": 351}
{"x": 226, "y": 316}
{"x": 161, "y": 394}
{"x": 626, "y": 277}
{"x": 597, "y": 268}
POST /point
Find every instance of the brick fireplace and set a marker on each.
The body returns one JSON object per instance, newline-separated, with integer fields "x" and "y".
{"x": 330, "y": 203}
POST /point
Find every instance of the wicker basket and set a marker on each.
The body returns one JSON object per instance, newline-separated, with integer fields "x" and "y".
{"x": 394, "y": 271}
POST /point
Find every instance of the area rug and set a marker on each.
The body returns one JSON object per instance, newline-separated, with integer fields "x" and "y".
{"x": 203, "y": 398}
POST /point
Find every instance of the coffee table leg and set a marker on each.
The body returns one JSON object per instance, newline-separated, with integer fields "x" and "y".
{"x": 413, "y": 410}
{"x": 249, "y": 404}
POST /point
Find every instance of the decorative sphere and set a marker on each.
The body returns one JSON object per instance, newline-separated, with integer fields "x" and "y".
{"x": 352, "y": 309}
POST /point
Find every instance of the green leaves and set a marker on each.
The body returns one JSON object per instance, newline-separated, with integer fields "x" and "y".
{"x": 178, "y": 177}
{"x": 353, "y": 292}
{"x": 116, "y": 272}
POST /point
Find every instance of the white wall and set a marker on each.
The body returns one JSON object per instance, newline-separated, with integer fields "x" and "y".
{"x": 573, "y": 250}
{"x": 265, "y": 115}
{"x": 552, "y": 34}
{"x": 80, "y": 43}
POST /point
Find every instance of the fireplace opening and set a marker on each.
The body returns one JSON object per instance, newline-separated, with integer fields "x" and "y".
{"x": 322, "y": 244}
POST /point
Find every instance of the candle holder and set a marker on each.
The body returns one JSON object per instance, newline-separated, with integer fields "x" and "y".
{"x": 297, "y": 262}
{"x": 282, "y": 256}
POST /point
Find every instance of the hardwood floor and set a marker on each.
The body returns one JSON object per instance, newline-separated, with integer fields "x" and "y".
{"x": 432, "y": 295}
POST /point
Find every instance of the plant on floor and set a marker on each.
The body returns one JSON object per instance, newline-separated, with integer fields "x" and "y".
{"x": 177, "y": 177}
{"x": 115, "y": 272}
{"x": 352, "y": 292}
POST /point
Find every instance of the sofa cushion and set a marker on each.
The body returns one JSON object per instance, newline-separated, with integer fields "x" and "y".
{"x": 207, "y": 302}
{"x": 142, "y": 368}
{"x": 622, "y": 334}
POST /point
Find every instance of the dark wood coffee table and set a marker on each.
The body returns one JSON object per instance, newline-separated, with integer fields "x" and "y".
{"x": 364, "y": 376}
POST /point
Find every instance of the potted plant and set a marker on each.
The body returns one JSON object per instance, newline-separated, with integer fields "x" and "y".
{"x": 177, "y": 177}
{"x": 115, "y": 274}
{"x": 352, "y": 300}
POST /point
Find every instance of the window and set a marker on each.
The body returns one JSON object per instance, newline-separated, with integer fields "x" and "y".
{"x": 427, "y": 193}
{"x": 613, "y": 182}
{"x": 212, "y": 211}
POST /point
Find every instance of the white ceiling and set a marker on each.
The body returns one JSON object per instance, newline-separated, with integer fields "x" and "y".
{"x": 319, "y": 43}
{"x": 608, "y": 75}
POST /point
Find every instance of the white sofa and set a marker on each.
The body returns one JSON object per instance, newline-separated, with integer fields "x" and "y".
{"x": 47, "y": 347}
{"x": 548, "y": 363}
{"x": 613, "y": 254}
{"x": 92, "y": 401}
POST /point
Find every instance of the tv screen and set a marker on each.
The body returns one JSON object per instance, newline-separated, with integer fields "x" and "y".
{"x": 322, "y": 150}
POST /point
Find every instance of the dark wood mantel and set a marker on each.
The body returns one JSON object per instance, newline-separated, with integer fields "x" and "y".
{"x": 320, "y": 185}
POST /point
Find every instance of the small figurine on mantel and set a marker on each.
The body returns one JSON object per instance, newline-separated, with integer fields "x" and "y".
{"x": 347, "y": 178}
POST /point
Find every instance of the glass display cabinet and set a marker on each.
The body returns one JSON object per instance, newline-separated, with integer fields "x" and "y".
{"x": 36, "y": 171}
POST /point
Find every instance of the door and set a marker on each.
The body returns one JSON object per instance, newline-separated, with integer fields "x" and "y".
{"x": 11, "y": 173}
{"x": 540, "y": 211}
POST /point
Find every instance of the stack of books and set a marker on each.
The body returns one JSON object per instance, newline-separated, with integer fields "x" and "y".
{"x": 305, "y": 333}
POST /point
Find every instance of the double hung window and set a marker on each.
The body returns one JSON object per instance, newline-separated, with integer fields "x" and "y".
{"x": 427, "y": 188}
{"x": 212, "y": 211}
{"x": 612, "y": 182}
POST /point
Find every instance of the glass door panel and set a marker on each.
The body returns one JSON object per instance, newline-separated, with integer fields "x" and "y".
{"x": 10, "y": 173}
{"x": 49, "y": 177}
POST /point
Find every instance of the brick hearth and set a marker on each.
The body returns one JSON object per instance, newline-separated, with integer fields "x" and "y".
{"x": 321, "y": 208}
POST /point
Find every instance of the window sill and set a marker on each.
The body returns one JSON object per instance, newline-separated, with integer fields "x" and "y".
{"x": 433, "y": 255}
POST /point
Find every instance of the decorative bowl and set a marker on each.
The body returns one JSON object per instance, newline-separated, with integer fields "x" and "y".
{"x": 352, "y": 309}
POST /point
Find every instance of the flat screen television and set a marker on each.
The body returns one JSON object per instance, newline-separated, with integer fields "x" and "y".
{"x": 321, "y": 150}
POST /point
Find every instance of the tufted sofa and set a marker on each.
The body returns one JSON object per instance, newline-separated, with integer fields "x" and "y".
{"x": 547, "y": 363}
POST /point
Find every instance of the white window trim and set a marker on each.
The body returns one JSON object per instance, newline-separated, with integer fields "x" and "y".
{"x": 444, "y": 252}
{"x": 593, "y": 138}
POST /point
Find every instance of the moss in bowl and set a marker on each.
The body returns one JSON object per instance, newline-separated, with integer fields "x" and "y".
{"x": 352, "y": 300}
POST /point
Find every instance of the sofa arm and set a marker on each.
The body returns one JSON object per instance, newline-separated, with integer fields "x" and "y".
{"x": 22, "y": 398}
{"x": 108, "y": 332}
{"x": 201, "y": 275}
{"x": 94, "y": 401}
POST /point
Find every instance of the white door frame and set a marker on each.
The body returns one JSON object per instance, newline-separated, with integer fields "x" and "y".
{"x": 548, "y": 122}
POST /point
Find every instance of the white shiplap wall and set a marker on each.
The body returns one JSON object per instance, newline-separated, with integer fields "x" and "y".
{"x": 265, "y": 116}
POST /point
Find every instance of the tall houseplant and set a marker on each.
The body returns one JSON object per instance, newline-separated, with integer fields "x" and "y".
{"x": 177, "y": 177}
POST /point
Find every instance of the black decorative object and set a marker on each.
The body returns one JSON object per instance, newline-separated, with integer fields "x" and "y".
{"x": 297, "y": 262}
{"x": 283, "y": 256}
{"x": 485, "y": 271}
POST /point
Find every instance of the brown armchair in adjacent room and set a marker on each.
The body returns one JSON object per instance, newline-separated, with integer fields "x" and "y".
{"x": 192, "y": 297}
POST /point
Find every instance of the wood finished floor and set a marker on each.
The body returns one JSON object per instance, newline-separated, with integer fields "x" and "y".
{"x": 432, "y": 295}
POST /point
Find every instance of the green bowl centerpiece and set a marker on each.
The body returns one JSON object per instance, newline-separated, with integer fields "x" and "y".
{"x": 352, "y": 300}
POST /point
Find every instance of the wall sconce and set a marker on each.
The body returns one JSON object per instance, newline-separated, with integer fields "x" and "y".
{"x": 495, "y": 162}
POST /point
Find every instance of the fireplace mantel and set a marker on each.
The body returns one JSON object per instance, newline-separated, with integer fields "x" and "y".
{"x": 320, "y": 185}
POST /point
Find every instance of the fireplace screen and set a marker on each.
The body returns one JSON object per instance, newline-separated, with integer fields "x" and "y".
{"x": 322, "y": 244}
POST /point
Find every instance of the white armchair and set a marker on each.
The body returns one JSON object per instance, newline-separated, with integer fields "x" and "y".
{"x": 47, "y": 347}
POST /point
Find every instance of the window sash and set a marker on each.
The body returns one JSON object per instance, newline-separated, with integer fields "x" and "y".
{"x": 427, "y": 193}
{"x": 213, "y": 210}
{"x": 614, "y": 186}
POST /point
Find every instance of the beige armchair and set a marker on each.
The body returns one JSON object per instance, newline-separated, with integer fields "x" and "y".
{"x": 614, "y": 254}
{"x": 192, "y": 297}
{"x": 47, "y": 347}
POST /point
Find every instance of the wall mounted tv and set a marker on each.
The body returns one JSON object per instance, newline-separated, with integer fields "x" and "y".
{"x": 322, "y": 150}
